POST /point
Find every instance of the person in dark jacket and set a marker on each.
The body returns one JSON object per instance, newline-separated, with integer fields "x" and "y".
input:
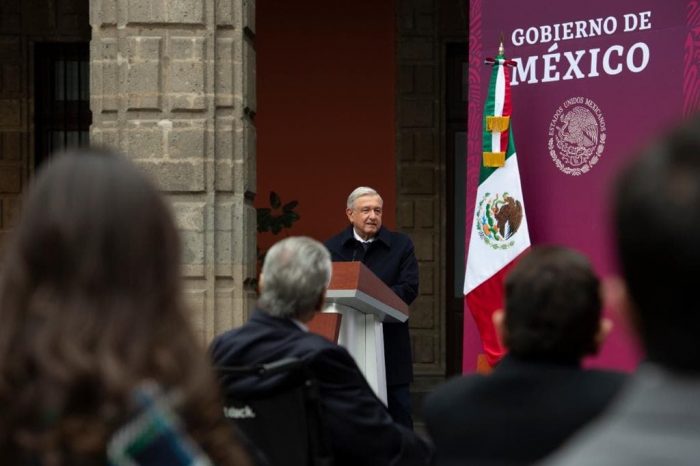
{"x": 538, "y": 395}
{"x": 391, "y": 257}
{"x": 293, "y": 283}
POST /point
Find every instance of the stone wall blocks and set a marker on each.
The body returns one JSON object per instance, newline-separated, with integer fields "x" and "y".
{"x": 224, "y": 253}
{"x": 425, "y": 213}
{"x": 418, "y": 122}
{"x": 224, "y": 318}
{"x": 176, "y": 176}
{"x": 405, "y": 214}
{"x": 10, "y": 49}
{"x": 103, "y": 12}
{"x": 424, "y": 243}
{"x": 193, "y": 245}
{"x": 10, "y": 178}
{"x": 196, "y": 306}
{"x": 417, "y": 49}
{"x": 424, "y": 6}
{"x": 249, "y": 15}
{"x": 424, "y": 24}
{"x": 423, "y": 349}
{"x": 165, "y": 11}
{"x": 12, "y": 146}
{"x": 143, "y": 68}
{"x": 417, "y": 112}
{"x": 225, "y": 72}
{"x": 417, "y": 180}
{"x": 424, "y": 79}
{"x": 186, "y": 139}
{"x": 225, "y": 12}
{"x": 250, "y": 101}
{"x": 178, "y": 104}
{"x": 405, "y": 144}
{"x": 11, "y": 78}
{"x": 107, "y": 135}
{"x": 422, "y": 315}
{"x": 185, "y": 11}
{"x": 245, "y": 164}
{"x": 425, "y": 144}
{"x": 11, "y": 209}
{"x": 105, "y": 71}
{"x": 11, "y": 114}
{"x": 228, "y": 144}
{"x": 10, "y": 23}
{"x": 190, "y": 216}
{"x": 144, "y": 140}
{"x": 405, "y": 79}
{"x": 417, "y": 145}
{"x": 427, "y": 278}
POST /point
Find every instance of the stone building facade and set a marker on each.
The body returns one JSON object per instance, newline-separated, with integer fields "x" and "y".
{"x": 424, "y": 30}
{"x": 172, "y": 84}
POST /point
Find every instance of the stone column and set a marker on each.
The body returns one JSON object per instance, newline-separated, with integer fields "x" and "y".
{"x": 420, "y": 171}
{"x": 173, "y": 87}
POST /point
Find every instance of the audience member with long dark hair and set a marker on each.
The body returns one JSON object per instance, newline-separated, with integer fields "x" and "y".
{"x": 98, "y": 363}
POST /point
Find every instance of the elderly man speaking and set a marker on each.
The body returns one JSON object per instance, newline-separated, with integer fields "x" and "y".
{"x": 390, "y": 255}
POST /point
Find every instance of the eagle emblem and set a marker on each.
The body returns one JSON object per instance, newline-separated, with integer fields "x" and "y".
{"x": 498, "y": 218}
{"x": 577, "y": 136}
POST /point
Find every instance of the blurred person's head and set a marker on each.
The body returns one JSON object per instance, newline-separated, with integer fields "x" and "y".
{"x": 364, "y": 210}
{"x": 552, "y": 307}
{"x": 294, "y": 278}
{"x": 90, "y": 305}
{"x": 657, "y": 225}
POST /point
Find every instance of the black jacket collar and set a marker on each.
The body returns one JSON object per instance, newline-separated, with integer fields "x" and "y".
{"x": 260, "y": 316}
{"x": 383, "y": 235}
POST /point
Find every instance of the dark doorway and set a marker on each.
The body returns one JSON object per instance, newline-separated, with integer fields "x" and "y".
{"x": 456, "y": 79}
{"x": 62, "y": 114}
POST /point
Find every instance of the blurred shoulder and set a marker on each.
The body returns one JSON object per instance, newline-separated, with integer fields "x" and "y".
{"x": 454, "y": 389}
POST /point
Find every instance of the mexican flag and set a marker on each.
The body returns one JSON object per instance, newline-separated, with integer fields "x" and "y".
{"x": 499, "y": 233}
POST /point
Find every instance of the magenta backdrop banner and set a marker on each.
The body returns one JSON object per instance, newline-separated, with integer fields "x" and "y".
{"x": 593, "y": 82}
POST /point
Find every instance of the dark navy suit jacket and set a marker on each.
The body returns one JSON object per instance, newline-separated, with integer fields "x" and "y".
{"x": 518, "y": 414}
{"x": 391, "y": 257}
{"x": 361, "y": 430}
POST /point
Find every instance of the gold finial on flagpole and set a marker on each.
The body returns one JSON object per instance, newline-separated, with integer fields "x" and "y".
{"x": 501, "y": 50}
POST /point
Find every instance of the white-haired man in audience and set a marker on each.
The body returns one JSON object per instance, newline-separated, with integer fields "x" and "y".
{"x": 293, "y": 283}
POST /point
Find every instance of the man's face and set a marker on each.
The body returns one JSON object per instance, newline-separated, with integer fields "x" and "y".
{"x": 366, "y": 215}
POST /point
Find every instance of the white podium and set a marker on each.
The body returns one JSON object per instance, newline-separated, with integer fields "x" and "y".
{"x": 364, "y": 302}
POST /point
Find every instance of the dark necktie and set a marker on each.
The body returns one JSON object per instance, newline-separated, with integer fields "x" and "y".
{"x": 359, "y": 252}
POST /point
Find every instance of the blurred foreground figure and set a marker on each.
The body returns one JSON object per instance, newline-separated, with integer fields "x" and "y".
{"x": 657, "y": 226}
{"x": 538, "y": 395}
{"x": 98, "y": 364}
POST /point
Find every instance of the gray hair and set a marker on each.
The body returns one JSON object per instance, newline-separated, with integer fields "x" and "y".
{"x": 359, "y": 192}
{"x": 296, "y": 271}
